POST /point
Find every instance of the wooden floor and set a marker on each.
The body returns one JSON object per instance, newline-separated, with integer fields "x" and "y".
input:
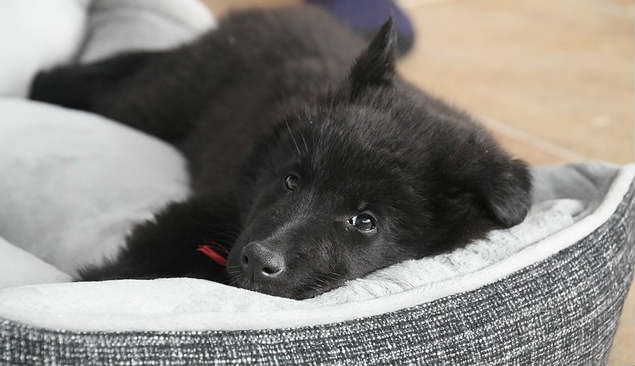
{"x": 552, "y": 79}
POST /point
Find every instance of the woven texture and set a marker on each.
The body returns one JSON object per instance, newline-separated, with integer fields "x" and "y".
{"x": 561, "y": 311}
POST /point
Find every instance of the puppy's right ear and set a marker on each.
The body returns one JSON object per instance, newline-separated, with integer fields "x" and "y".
{"x": 376, "y": 65}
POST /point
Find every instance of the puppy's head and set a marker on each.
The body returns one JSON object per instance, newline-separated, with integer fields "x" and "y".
{"x": 370, "y": 175}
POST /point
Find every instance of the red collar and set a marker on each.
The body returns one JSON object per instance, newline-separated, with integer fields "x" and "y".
{"x": 213, "y": 254}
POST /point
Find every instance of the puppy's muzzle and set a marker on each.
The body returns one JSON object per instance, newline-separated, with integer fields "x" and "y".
{"x": 260, "y": 263}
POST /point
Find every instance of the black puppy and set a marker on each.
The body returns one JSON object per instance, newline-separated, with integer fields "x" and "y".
{"x": 311, "y": 161}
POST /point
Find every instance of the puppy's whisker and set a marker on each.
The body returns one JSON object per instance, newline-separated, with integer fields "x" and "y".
{"x": 293, "y": 138}
{"x": 306, "y": 146}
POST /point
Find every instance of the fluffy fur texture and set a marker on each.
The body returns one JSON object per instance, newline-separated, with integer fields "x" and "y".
{"x": 310, "y": 158}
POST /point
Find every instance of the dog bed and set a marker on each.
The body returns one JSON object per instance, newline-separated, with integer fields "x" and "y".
{"x": 546, "y": 292}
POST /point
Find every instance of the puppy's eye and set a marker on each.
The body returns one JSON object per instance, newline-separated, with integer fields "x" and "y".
{"x": 291, "y": 182}
{"x": 363, "y": 222}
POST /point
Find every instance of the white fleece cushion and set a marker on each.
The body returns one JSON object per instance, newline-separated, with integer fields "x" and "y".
{"x": 18, "y": 267}
{"x": 73, "y": 183}
{"x": 35, "y": 35}
{"x": 127, "y": 25}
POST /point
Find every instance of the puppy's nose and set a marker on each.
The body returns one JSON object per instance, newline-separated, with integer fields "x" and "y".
{"x": 262, "y": 262}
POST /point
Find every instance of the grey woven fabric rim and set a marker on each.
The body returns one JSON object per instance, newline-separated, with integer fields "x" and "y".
{"x": 561, "y": 311}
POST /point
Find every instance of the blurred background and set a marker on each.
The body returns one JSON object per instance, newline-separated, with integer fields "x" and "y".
{"x": 552, "y": 79}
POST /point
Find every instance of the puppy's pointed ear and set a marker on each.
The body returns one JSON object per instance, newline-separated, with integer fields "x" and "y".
{"x": 376, "y": 65}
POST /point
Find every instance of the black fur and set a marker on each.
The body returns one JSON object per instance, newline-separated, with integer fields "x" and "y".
{"x": 291, "y": 91}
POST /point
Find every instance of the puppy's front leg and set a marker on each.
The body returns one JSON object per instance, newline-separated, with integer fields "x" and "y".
{"x": 167, "y": 247}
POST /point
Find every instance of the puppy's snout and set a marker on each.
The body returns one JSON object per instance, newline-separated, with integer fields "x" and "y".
{"x": 261, "y": 262}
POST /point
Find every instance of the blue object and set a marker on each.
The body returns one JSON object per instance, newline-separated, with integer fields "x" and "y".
{"x": 365, "y": 17}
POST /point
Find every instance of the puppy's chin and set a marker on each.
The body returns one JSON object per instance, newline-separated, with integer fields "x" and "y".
{"x": 301, "y": 292}
{"x": 270, "y": 289}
